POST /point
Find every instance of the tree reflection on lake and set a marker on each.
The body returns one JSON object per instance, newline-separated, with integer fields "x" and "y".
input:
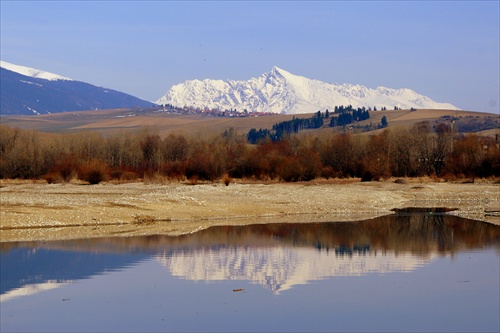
{"x": 279, "y": 257}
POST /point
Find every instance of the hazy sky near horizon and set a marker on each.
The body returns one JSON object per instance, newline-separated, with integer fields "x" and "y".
{"x": 446, "y": 50}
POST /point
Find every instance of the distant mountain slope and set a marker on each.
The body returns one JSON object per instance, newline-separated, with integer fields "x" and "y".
{"x": 43, "y": 92}
{"x": 282, "y": 92}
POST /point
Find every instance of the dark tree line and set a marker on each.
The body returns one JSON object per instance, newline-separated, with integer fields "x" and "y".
{"x": 285, "y": 128}
{"x": 342, "y": 116}
{"x": 346, "y": 115}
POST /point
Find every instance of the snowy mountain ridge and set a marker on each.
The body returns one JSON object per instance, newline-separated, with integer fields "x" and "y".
{"x": 32, "y": 72}
{"x": 280, "y": 91}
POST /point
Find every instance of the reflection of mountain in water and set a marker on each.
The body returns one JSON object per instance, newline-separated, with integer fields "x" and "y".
{"x": 277, "y": 256}
{"x": 279, "y": 268}
{"x": 27, "y": 271}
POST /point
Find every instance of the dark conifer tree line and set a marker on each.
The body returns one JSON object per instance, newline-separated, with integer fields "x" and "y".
{"x": 285, "y": 128}
{"x": 346, "y": 115}
{"x": 342, "y": 116}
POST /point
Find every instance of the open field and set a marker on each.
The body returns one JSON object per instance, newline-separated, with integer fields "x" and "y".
{"x": 37, "y": 211}
{"x": 111, "y": 121}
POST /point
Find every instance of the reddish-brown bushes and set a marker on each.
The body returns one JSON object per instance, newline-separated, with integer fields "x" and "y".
{"x": 227, "y": 179}
{"x": 66, "y": 166}
{"x": 93, "y": 172}
{"x": 52, "y": 177}
{"x": 474, "y": 156}
{"x": 398, "y": 152}
{"x": 121, "y": 174}
{"x": 175, "y": 170}
{"x": 375, "y": 163}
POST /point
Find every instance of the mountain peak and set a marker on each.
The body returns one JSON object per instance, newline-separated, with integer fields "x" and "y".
{"x": 277, "y": 71}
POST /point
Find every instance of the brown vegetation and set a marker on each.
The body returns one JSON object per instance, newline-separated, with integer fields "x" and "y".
{"x": 419, "y": 150}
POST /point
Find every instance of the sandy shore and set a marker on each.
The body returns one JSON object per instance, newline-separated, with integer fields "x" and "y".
{"x": 33, "y": 211}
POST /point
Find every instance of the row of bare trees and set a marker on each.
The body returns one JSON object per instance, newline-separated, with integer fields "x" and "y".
{"x": 420, "y": 150}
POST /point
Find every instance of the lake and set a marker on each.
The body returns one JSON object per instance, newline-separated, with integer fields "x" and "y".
{"x": 415, "y": 270}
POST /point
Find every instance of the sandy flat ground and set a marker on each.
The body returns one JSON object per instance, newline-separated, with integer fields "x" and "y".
{"x": 34, "y": 211}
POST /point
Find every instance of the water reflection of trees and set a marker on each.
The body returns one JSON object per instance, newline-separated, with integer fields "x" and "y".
{"x": 429, "y": 231}
{"x": 403, "y": 232}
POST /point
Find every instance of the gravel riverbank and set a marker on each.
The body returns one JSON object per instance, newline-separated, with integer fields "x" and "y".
{"x": 35, "y": 211}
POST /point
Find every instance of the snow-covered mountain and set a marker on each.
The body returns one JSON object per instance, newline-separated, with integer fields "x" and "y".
{"x": 29, "y": 91}
{"x": 279, "y": 91}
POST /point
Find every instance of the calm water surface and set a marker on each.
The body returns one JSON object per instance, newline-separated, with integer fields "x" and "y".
{"x": 411, "y": 271}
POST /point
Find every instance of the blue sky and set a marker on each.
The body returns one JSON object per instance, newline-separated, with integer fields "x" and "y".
{"x": 447, "y": 50}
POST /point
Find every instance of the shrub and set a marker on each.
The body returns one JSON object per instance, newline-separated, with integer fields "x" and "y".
{"x": 206, "y": 165}
{"x": 52, "y": 177}
{"x": 175, "y": 170}
{"x": 193, "y": 180}
{"x": 309, "y": 164}
{"x": 93, "y": 172}
{"x": 327, "y": 172}
{"x": 227, "y": 179}
{"x": 289, "y": 170}
{"x": 116, "y": 173}
{"x": 368, "y": 177}
{"x": 66, "y": 166}
{"x": 129, "y": 175}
